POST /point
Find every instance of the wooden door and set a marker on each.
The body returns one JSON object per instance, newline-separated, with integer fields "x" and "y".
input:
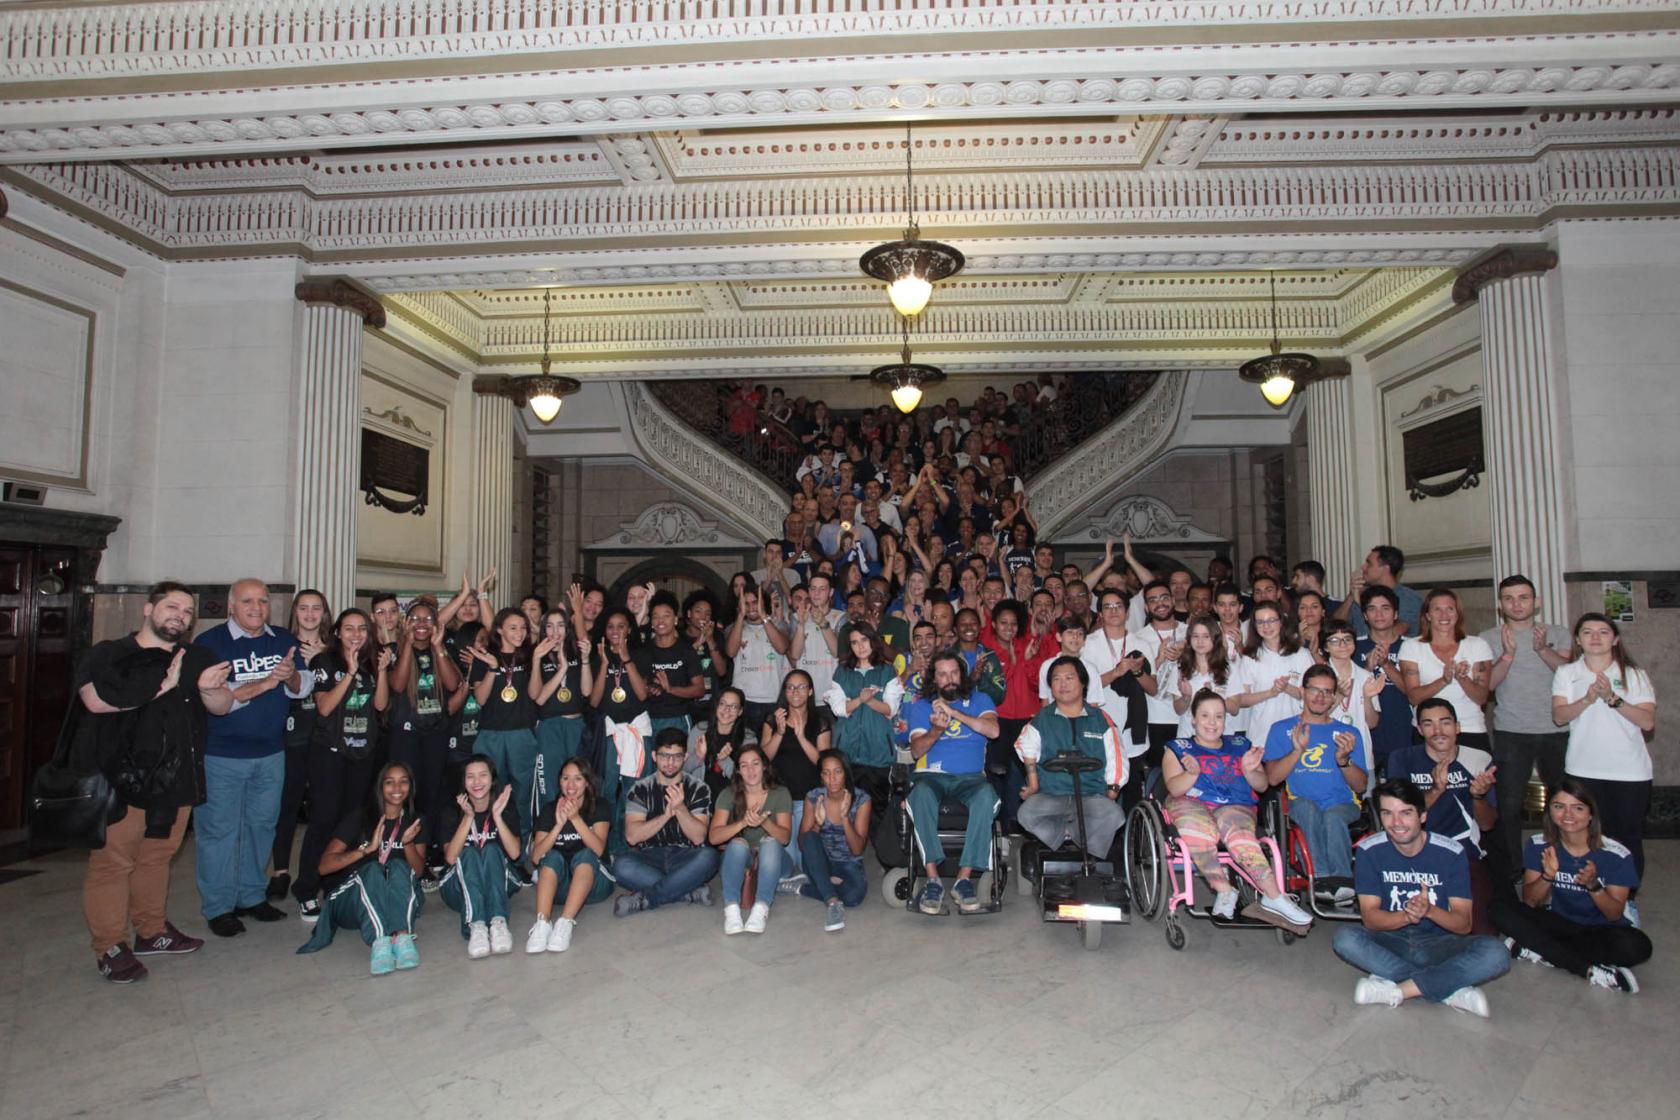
{"x": 36, "y": 664}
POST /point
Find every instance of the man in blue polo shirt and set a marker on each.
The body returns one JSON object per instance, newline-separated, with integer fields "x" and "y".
{"x": 950, "y": 724}
{"x": 244, "y": 761}
{"x": 1314, "y": 756}
{"x": 1414, "y": 905}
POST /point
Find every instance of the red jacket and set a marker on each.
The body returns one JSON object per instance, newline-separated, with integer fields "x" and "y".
{"x": 1020, "y": 674}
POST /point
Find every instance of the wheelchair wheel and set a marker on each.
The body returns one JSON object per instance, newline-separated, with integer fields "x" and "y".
{"x": 1284, "y": 937}
{"x": 1272, "y": 821}
{"x": 1091, "y": 934}
{"x": 1176, "y": 936}
{"x": 1023, "y": 882}
{"x": 1146, "y": 867}
{"x": 989, "y": 888}
{"x": 895, "y": 886}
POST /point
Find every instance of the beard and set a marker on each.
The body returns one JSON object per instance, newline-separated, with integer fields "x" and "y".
{"x": 951, "y": 693}
{"x": 167, "y": 631}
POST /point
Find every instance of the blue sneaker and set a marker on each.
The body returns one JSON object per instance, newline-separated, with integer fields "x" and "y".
{"x": 384, "y": 959}
{"x": 932, "y": 900}
{"x": 967, "y": 900}
{"x": 408, "y": 956}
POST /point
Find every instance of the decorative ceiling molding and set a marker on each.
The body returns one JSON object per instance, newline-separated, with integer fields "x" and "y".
{"x": 337, "y": 293}
{"x": 1186, "y": 140}
{"x": 103, "y": 41}
{"x": 544, "y": 164}
{"x": 1602, "y": 182}
{"x": 266, "y": 121}
{"x": 1149, "y": 520}
{"x": 635, "y": 158}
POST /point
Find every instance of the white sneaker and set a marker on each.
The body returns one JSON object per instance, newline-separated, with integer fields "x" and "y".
{"x": 1613, "y": 977}
{"x": 561, "y": 939}
{"x": 478, "y": 941}
{"x": 1287, "y": 909}
{"x": 732, "y": 920}
{"x": 757, "y": 917}
{"x": 1469, "y": 999}
{"x": 501, "y": 938}
{"x": 537, "y": 940}
{"x": 1344, "y": 895}
{"x": 1225, "y": 904}
{"x": 1376, "y": 990}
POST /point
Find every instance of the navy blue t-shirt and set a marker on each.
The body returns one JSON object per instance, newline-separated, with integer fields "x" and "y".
{"x": 1569, "y": 899}
{"x": 1453, "y": 814}
{"x": 1394, "y": 712}
{"x": 1385, "y": 872}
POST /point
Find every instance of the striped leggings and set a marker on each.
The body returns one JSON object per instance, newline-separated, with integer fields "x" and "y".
{"x": 1201, "y": 828}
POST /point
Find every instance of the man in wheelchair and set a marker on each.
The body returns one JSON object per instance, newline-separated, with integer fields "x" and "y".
{"x": 1315, "y": 757}
{"x": 949, "y": 726}
{"x": 1070, "y": 724}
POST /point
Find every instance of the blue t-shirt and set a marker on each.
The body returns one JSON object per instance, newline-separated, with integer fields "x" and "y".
{"x": 1316, "y": 776}
{"x": 1394, "y": 712}
{"x": 832, "y": 835}
{"x": 1453, "y": 814}
{"x": 1570, "y": 900}
{"x": 1221, "y": 781}
{"x": 961, "y": 749}
{"x": 1385, "y": 872}
{"x": 257, "y": 728}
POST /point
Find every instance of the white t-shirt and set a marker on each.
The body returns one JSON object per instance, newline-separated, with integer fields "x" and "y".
{"x": 815, "y": 658}
{"x": 1430, "y": 669}
{"x": 758, "y": 669}
{"x": 1602, "y": 743}
{"x": 1350, "y": 709}
{"x": 1148, "y": 642}
{"x": 1260, "y": 673}
{"x": 1167, "y": 678}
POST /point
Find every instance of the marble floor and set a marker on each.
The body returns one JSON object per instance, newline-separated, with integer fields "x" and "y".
{"x": 658, "y": 1015}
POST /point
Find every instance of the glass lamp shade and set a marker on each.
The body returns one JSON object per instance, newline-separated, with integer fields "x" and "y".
{"x": 910, "y": 268}
{"x": 909, "y": 295}
{"x": 906, "y": 397}
{"x": 546, "y": 406}
{"x": 1279, "y": 375}
{"x": 1277, "y": 389}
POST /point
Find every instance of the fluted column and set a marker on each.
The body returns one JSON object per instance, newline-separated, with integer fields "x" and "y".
{"x": 330, "y": 438}
{"x": 1330, "y": 479}
{"x": 1521, "y": 361}
{"x": 492, "y": 493}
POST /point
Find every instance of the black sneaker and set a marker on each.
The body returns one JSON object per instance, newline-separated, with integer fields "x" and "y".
{"x": 226, "y": 925}
{"x": 279, "y": 886}
{"x": 310, "y": 911}
{"x": 171, "y": 941}
{"x": 120, "y": 966}
{"x": 262, "y": 912}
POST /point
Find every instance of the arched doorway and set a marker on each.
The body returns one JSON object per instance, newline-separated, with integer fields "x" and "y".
{"x": 678, "y": 574}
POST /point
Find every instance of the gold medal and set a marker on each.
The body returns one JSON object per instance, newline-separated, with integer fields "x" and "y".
{"x": 564, "y": 695}
{"x": 619, "y": 695}
{"x": 510, "y": 694}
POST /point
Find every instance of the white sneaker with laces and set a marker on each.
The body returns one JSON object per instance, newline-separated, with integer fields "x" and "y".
{"x": 1287, "y": 909}
{"x": 732, "y": 920}
{"x": 478, "y": 941}
{"x": 758, "y": 917}
{"x": 501, "y": 938}
{"x": 1613, "y": 977}
{"x": 1376, "y": 990}
{"x": 1225, "y": 904}
{"x": 1470, "y": 1000}
{"x": 561, "y": 939}
{"x": 537, "y": 940}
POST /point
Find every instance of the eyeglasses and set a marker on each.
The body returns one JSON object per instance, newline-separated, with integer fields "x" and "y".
{"x": 670, "y": 756}
{"x": 1268, "y": 622}
{"x": 1311, "y": 691}
{"x": 1339, "y": 640}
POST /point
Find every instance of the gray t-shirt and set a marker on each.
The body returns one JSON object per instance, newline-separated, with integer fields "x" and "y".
{"x": 1522, "y": 705}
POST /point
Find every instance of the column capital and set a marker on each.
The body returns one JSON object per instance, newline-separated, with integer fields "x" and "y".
{"x": 340, "y": 294}
{"x": 1501, "y": 264}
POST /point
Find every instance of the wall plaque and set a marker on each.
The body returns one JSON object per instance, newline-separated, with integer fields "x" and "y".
{"x": 395, "y": 473}
{"x": 1444, "y": 456}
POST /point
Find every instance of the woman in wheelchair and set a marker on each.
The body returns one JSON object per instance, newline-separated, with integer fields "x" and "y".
{"x": 1212, "y": 780}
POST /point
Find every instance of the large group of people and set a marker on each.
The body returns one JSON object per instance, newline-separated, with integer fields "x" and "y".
{"x": 635, "y": 748}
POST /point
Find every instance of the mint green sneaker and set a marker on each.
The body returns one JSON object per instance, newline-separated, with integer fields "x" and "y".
{"x": 384, "y": 959}
{"x": 407, "y": 955}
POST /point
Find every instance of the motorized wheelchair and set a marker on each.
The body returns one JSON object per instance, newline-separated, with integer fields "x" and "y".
{"x": 1072, "y": 885}
{"x": 896, "y": 848}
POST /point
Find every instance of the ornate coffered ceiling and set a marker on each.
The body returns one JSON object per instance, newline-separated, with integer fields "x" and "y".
{"x": 700, "y": 176}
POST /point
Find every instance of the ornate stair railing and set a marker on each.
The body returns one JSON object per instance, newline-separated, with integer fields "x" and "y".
{"x": 1088, "y": 403}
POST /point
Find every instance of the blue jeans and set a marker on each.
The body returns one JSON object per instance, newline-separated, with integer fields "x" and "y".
{"x": 853, "y": 886}
{"x": 772, "y": 861}
{"x": 1328, "y": 840}
{"x": 795, "y": 862}
{"x": 666, "y": 874}
{"x": 1439, "y": 963}
{"x": 929, "y": 790}
{"x": 234, "y": 830}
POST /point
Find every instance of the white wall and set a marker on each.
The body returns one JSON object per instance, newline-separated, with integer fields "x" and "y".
{"x": 1620, "y": 304}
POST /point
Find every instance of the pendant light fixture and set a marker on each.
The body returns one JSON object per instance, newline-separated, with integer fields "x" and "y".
{"x": 910, "y": 267}
{"x": 544, "y": 391}
{"x": 904, "y": 379}
{"x": 1279, "y": 374}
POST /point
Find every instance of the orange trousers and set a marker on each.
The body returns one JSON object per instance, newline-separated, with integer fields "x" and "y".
{"x": 128, "y": 880}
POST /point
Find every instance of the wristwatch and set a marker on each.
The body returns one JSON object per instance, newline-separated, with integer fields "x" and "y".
{"x": 1595, "y": 886}
{"x": 1614, "y": 702}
